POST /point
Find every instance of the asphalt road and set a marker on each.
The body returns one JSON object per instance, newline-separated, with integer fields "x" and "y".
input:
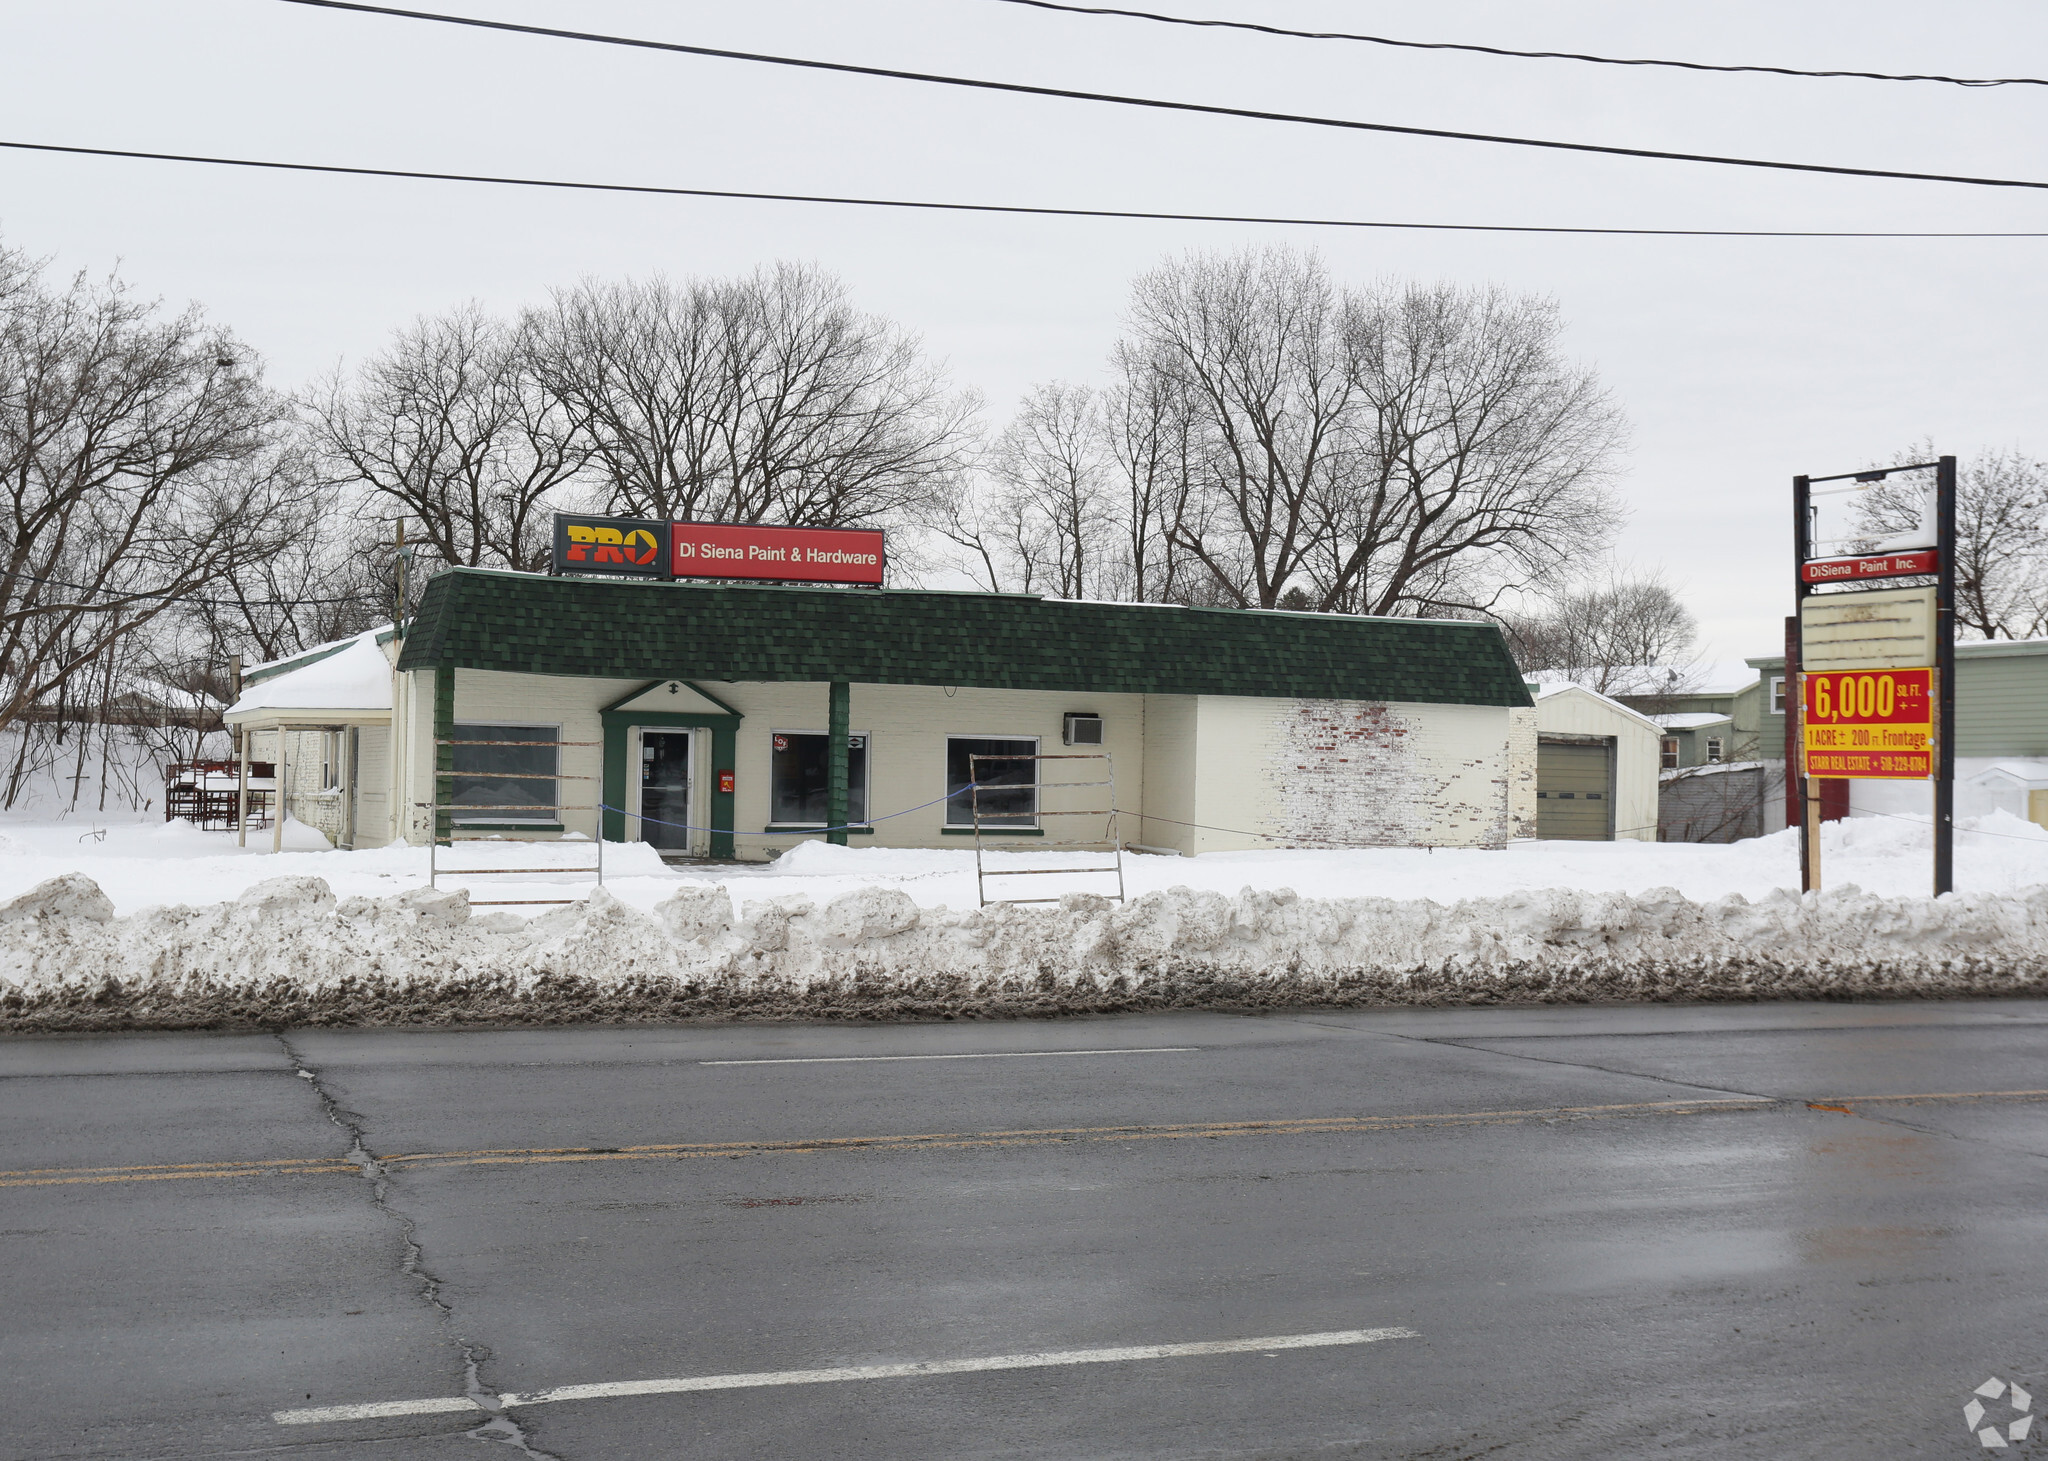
{"x": 1544, "y": 1233}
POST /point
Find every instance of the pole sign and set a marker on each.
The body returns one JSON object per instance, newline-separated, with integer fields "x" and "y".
{"x": 1876, "y": 724}
{"x": 787, "y": 555}
{"x": 1875, "y": 666}
{"x": 626, "y": 547}
{"x": 634, "y": 547}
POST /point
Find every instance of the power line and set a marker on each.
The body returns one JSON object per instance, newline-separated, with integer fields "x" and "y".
{"x": 1008, "y": 208}
{"x": 1334, "y": 35}
{"x": 1158, "y": 104}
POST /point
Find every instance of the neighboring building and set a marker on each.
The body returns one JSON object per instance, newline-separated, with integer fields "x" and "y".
{"x": 1705, "y": 724}
{"x": 324, "y": 719}
{"x": 1694, "y": 738}
{"x": 1596, "y": 766}
{"x": 2001, "y": 735}
{"x": 701, "y": 718}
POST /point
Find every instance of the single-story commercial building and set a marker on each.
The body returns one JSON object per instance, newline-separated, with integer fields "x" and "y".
{"x": 703, "y": 718}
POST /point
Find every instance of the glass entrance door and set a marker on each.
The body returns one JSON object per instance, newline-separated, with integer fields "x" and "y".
{"x": 665, "y": 789}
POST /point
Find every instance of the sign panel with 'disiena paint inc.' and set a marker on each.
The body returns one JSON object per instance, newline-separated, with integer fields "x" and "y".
{"x": 784, "y": 555}
{"x": 1870, "y": 723}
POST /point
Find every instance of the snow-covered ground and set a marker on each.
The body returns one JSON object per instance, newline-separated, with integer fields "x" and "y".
{"x": 132, "y": 925}
{"x": 154, "y": 863}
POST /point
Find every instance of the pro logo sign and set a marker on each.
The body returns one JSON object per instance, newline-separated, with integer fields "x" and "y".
{"x": 1870, "y": 723}
{"x": 631, "y": 547}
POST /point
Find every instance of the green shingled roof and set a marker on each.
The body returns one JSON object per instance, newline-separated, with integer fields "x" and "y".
{"x": 536, "y": 625}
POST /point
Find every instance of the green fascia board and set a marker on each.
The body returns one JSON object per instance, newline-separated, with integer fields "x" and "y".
{"x": 534, "y": 624}
{"x": 286, "y": 666}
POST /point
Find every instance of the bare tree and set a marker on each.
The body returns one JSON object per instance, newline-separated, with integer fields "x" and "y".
{"x": 130, "y": 478}
{"x": 451, "y": 427}
{"x": 1387, "y": 450}
{"x": 1253, "y": 343}
{"x": 1622, "y": 635}
{"x": 1480, "y": 461}
{"x": 2001, "y": 535}
{"x": 1049, "y": 523}
{"x": 767, "y": 398}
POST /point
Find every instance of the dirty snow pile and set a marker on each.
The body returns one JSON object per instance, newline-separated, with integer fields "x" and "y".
{"x": 721, "y": 943}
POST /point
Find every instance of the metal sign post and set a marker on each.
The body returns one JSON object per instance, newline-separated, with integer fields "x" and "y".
{"x": 1870, "y": 676}
{"x": 1945, "y": 679}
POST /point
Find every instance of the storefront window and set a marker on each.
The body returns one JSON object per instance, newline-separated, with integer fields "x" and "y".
{"x": 508, "y": 777}
{"x": 1008, "y": 793}
{"x": 799, "y": 765}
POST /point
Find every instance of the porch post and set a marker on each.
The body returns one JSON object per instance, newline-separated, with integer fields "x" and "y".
{"x": 444, "y": 754}
{"x": 242, "y": 786}
{"x": 836, "y": 751}
{"x": 277, "y": 798}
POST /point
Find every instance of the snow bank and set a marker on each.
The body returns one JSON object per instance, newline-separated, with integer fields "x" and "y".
{"x": 288, "y": 951}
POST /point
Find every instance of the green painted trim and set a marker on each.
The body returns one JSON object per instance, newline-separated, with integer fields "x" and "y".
{"x": 725, "y": 732}
{"x": 814, "y": 831}
{"x": 285, "y": 666}
{"x": 838, "y": 752}
{"x": 444, "y": 754}
{"x": 993, "y": 831}
{"x": 629, "y": 698}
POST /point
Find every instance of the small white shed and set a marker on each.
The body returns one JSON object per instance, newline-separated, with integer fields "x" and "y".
{"x": 1596, "y": 766}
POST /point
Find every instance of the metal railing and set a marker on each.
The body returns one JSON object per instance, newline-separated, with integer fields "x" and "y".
{"x": 437, "y": 808}
{"x": 1108, "y": 812}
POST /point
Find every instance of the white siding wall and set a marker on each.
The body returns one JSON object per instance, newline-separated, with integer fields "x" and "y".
{"x": 1522, "y": 773}
{"x": 570, "y": 704}
{"x": 1276, "y": 772}
{"x": 1169, "y": 774}
{"x": 908, "y": 726}
{"x": 1582, "y": 713}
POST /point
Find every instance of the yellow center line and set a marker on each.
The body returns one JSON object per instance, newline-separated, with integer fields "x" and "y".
{"x": 966, "y": 1140}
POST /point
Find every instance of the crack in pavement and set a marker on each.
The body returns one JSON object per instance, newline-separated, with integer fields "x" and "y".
{"x": 1455, "y": 1043}
{"x": 501, "y": 1426}
{"x": 1447, "y": 1042}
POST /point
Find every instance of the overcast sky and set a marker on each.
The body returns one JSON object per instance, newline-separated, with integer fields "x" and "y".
{"x": 1739, "y": 362}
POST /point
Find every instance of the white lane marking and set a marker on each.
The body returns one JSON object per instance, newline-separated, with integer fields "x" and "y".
{"x": 321, "y": 1413}
{"x": 1040, "y": 1359}
{"x": 983, "y": 1055}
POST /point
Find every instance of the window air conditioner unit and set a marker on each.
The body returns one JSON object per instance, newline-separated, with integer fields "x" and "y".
{"x": 1082, "y": 730}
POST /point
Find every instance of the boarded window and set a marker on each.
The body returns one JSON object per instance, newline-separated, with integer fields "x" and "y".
{"x": 506, "y": 773}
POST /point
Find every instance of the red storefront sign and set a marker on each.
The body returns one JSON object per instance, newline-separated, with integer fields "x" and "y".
{"x": 792, "y": 555}
{"x": 789, "y": 554}
{"x": 1889, "y": 565}
{"x": 1870, "y": 723}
